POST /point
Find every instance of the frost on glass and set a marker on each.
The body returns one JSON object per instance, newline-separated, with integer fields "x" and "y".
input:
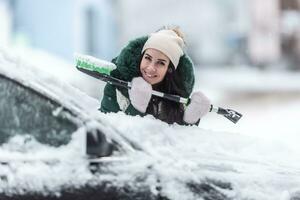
{"x": 24, "y": 111}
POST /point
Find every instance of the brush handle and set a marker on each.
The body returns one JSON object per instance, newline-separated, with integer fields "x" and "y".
{"x": 228, "y": 113}
{"x": 170, "y": 97}
{"x": 117, "y": 82}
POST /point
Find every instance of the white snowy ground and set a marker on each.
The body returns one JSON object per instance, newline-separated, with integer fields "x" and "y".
{"x": 259, "y": 155}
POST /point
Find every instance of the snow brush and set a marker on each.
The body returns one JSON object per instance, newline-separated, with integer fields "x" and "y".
{"x": 101, "y": 69}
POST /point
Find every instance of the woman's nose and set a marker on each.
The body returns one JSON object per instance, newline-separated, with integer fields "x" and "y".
{"x": 151, "y": 67}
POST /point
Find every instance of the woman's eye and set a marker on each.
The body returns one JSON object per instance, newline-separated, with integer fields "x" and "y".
{"x": 161, "y": 63}
{"x": 147, "y": 58}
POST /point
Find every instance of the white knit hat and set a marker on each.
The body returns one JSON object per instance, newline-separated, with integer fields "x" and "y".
{"x": 168, "y": 42}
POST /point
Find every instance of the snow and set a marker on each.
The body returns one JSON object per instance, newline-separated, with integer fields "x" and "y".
{"x": 242, "y": 160}
{"x": 45, "y": 74}
{"x": 258, "y": 156}
{"x": 93, "y": 62}
{"x": 19, "y": 175}
{"x": 54, "y": 65}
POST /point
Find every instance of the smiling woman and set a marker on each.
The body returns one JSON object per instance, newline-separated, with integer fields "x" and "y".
{"x": 156, "y": 62}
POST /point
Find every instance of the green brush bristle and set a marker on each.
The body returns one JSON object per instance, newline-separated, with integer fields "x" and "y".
{"x": 94, "y": 64}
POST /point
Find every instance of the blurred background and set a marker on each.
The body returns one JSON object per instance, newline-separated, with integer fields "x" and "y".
{"x": 219, "y": 32}
{"x": 246, "y": 52}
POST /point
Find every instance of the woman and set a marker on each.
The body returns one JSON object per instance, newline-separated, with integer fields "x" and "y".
{"x": 156, "y": 63}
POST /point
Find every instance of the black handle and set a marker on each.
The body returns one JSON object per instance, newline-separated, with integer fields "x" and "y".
{"x": 230, "y": 114}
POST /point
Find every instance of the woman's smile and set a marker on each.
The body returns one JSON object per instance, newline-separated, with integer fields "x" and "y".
{"x": 149, "y": 75}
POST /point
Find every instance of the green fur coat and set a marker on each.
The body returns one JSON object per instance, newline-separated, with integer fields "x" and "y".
{"x": 116, "y": 99}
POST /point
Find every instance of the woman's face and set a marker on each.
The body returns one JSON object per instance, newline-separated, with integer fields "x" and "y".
{"x": 154, "y": 66}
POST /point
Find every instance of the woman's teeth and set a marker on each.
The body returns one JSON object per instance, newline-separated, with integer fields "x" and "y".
{"x": 149, "y": 75}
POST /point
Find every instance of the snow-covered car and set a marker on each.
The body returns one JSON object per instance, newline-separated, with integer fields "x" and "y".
{"x": 55, "y": 144}
{"x": 44, "y": 133}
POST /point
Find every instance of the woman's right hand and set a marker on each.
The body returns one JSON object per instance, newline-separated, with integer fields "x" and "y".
{"x": 140, "y": 94}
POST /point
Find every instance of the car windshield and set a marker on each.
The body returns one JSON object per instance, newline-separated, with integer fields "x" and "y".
{"x": 23, "y": 111}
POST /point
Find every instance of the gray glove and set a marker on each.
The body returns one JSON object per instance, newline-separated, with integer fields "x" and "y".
{"x": 198, "y": 107}
{"x": 140, "y": 94}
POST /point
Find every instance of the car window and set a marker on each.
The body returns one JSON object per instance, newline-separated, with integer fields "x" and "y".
{"x": 25, "y": 111}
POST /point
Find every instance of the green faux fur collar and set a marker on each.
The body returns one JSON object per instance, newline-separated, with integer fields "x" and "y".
{"x": 128, "y": 61}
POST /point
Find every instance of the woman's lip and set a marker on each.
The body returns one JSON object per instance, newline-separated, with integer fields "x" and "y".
{"x": 149, "y": 75}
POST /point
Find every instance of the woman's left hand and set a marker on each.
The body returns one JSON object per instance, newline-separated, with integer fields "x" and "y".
{"x": 198, "y": 107}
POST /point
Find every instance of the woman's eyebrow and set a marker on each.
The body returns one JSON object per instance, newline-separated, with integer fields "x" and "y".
{"x": 148, "y": 55}
{"x": 162, "y": 60}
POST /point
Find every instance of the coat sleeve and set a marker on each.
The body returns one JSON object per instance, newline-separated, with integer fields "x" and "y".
{"x": 109, "y": 101}
{"x": 132, "y": 111}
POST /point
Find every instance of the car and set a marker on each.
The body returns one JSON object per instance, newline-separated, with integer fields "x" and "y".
{"x": 55, "y": 144}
